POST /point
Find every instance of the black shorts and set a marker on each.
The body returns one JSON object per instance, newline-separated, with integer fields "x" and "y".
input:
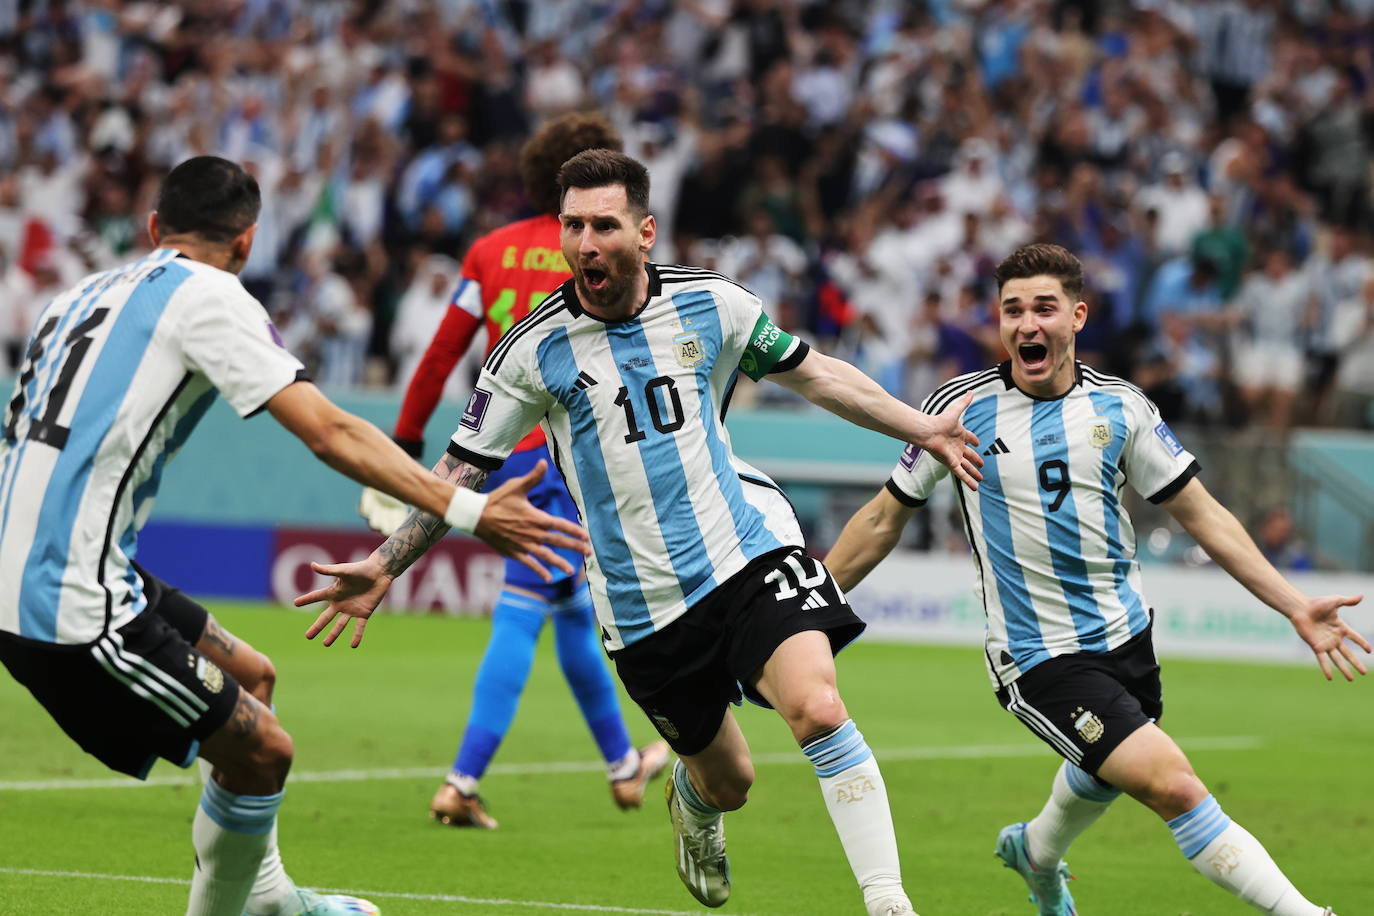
{"x": 137, "y": 693}
{"x": 686, "y": 675}
{"x": 1084, "y": 705}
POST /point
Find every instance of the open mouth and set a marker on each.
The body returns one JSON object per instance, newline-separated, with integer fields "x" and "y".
{"x": 594, "y": 278}
{"x": 1033, "y": 355}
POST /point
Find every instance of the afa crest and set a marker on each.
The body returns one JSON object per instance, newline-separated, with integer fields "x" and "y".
{"x": 1088, "y": 725}
{"x": 1100, "y": 435}
{"x": 210, "y": 675}
{"x": 665, "y": 726}
{"x": 690, "y": 353}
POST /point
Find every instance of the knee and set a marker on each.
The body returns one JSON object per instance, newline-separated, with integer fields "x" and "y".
{"x": 271, "y": 759}
{"x": 729, "y": 790}
{"x": 819, "y": 712}
{"x": 262, "y": 676}
{"x": 252, "y": 669}
{"x": 1175, "y": 793}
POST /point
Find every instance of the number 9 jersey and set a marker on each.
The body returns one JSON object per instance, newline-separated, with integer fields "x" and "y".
{"x": 1054, "y": 548}
{"x": 634, "y": 412}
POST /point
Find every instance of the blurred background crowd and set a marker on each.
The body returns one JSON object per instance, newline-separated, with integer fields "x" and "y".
{"x": 861, "y": 164}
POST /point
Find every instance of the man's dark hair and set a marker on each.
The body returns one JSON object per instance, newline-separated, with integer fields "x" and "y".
{"x": 210, "y": 197}
{"x": 597, "y": 168}
{"x": 1043, "y": 260}
{"x": 554, "y": 144}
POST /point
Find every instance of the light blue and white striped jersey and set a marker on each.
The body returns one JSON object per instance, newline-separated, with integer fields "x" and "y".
{"x": 634, "y": 412}
{"x": 1054, "y": 548}
{"x": 116, "y": 375}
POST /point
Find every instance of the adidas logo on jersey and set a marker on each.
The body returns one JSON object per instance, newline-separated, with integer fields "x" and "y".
{"x": 814, "y": 601}
{"x": 998, "y": 447}
{"x": 584, "y": 381}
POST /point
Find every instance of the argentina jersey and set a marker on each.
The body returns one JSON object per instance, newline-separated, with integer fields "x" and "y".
{"x": 116, "y": 374}
{"x": 634, "y": 412}
{"x": 1054, "y": 549}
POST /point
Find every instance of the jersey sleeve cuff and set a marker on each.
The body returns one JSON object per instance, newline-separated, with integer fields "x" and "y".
{"x": 793, "y": 359}
{"x": 301, "y": 376}
{"x": 482, "y": 462}
{"x": 1178, "y": 483}
{"x": 902, "y": 496}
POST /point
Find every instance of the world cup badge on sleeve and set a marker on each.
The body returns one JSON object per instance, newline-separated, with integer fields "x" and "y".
{"x": 690, "y": 352}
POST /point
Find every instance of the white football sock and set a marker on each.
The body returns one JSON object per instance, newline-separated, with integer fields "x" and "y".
{"x": 856, "y": 798}
{"x": 1076, "y": 801}
{"x": 626, "y": 767}
{"x": 273, "y": 887}
{"x": 230, "y": 833}
{"x": 1230, "y": 857}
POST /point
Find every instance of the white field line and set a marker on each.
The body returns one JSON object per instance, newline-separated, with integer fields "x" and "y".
{"x": 393, "y": 895}
{"x": 957, "y": 752}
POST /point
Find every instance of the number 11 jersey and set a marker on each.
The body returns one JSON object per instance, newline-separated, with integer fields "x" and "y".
{"x": 634, "y": 412}
{"x": 116, "y": 375}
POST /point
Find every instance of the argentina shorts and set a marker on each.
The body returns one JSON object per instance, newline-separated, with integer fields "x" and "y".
{"x": 686, "y": 675}
{"x": 1084, "y": 705}
{"x": 136, "y": 693}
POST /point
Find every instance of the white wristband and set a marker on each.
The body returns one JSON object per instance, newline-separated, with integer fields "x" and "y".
{"x": 465, "y": 509}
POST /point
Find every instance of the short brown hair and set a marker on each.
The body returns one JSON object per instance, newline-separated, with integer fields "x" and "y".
{"x": 554, "y": 144}
{"x": 597, "y": 168}
{"x": 1042, "y": 260}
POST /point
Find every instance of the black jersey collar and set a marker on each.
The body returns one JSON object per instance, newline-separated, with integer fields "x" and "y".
{"x": 575, "y": 304}
{"x": 1004, "y": 370}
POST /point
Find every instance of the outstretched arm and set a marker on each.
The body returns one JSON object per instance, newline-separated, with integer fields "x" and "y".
{"x": 1317, "y": 620}
{"x": 846, "y": 392}
{"x": 354, "y": 447}
{"x": 867, "y": 538}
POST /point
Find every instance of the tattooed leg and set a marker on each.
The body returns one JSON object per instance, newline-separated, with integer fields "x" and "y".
{"x": 250, "y": 668}
{"x": 250, "y": 752}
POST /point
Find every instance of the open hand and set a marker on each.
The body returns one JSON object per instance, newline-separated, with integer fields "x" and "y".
{"x": 354, "y": 594}
{"x": 950, "y": 443}
{"x": 514, "y": 526}
{"x": 1320, "y": 625}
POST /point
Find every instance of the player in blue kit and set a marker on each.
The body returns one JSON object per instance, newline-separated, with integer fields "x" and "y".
{"x": 1068, "y": 628}
{"x": 699, "y": 576}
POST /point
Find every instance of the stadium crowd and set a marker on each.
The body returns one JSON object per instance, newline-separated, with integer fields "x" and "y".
{"x": 861, "y": 165}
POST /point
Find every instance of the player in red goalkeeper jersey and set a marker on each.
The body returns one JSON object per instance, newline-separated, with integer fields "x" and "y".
{"x": 505, "y": 275}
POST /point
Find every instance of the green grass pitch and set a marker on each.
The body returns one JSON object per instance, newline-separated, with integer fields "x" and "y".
{"x": 1287, "y": 754}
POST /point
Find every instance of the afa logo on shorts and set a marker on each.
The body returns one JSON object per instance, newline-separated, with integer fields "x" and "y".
{"x": 1088, "y": 725}
{"x": 664, "y": 725}
{"x": 209, "y": 673}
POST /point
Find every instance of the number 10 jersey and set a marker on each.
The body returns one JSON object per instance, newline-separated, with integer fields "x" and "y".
{"x": 634, "y": 413}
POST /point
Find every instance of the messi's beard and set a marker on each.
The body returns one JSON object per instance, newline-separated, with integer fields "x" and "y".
{"x": 614, "y": 295}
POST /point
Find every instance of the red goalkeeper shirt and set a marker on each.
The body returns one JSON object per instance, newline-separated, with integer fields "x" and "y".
{"x": 505, "y": 275}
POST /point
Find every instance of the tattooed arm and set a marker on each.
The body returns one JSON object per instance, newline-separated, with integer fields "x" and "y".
{"x": 421, "y": 530}
{"x": 508, "y": 523}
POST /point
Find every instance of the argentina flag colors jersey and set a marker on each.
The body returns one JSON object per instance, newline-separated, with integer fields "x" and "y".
{"x": 1054, "y": 548}
{"x": 634, "y": 412}
{"x": 116, "y": 374}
